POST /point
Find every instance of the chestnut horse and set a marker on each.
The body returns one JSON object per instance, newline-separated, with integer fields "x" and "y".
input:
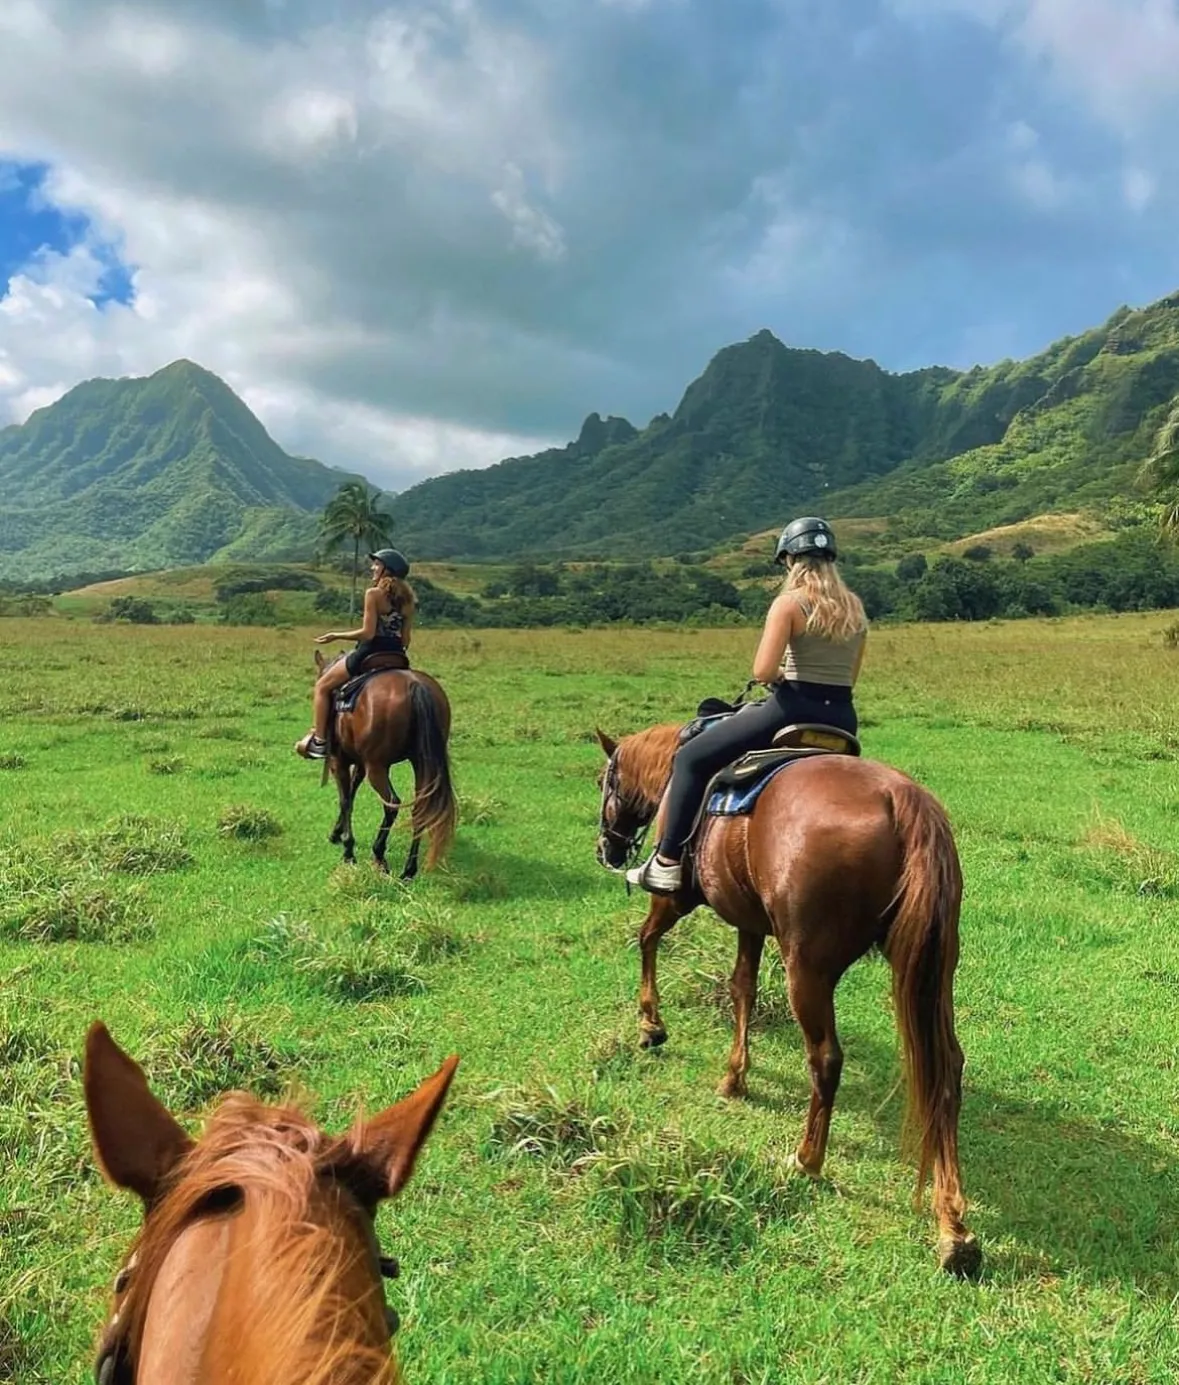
{"x": 257, "y": 1260}
{"x": 400, "y": 714}
{"x": 838, "y": 854}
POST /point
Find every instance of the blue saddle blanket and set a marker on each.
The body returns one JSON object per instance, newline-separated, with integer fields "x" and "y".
{"x": 738, "y": 800}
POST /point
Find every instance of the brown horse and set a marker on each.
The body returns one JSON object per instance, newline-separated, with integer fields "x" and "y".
{"x": 839, "y": 854}
{"x": 401, "y": 714}
{"x": 257, "y": 1261}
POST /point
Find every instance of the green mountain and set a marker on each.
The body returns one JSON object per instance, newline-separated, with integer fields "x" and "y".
{"x": 768, "y": 431}
{"x": 150, "y": 473}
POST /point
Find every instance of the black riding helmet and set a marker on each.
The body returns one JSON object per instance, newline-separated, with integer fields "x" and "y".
{"x": 809, "y": 535}
{"x": 395, "y": 563}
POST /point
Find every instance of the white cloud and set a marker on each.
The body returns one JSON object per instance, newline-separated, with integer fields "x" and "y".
{"x": 1139, "y": 188}
{"x": 532, "y": 228}
{"x": 1039, "y": 185}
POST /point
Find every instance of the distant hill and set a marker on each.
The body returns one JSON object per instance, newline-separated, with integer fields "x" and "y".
{"x": 152, "y": 473}
{"x": 769, "y": 431}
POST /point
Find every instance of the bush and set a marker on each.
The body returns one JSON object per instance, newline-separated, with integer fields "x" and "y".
{"x": 249, "y": 609}
{"x": 133, "y": 609}
{"x": 912, "y": 567}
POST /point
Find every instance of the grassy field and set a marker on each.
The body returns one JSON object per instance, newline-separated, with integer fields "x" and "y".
{"x": 586, "y": 1212}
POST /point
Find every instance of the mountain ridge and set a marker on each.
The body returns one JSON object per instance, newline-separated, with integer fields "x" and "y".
{"x": 152, "y": 471}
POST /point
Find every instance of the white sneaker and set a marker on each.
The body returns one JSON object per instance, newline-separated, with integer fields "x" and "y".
{"x": 656, "y": 878}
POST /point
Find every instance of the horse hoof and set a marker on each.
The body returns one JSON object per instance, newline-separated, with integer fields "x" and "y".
{"x": 652, "y": 1038}
{"x": 796, "y": 1168}
{"x": 380, "y": 865}
{"x": 731, "y": 1087}
{"x": 408, "y": 875}
{"x": 961, "y": 1258}
{"x": 335, "y": 837}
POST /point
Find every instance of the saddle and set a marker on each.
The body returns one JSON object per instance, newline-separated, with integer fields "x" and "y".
{"x": 346, "y": 695}
{"x": 734, "y": 790}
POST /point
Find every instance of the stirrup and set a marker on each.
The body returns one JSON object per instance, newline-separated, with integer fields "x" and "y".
{"x": 656, "y": 878}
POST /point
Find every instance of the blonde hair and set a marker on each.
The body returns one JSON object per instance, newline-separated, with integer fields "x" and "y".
{"x": 833, "y": 610}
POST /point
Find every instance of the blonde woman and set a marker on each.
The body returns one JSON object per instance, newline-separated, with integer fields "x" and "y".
{"x": 389, "y": 606}
{"x": 810, "y": 654}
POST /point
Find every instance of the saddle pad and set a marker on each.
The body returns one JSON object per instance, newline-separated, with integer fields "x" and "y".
{"x": 738, "y": 800}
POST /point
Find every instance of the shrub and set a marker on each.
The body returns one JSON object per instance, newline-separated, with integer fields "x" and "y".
{"x": 133, "y": 609}
{"x": 211, "y": 1054}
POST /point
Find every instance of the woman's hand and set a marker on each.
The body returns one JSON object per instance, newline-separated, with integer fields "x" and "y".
{"x": 326, "y": 639}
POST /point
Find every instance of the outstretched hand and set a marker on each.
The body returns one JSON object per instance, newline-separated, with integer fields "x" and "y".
{"x": 326, "y": 639}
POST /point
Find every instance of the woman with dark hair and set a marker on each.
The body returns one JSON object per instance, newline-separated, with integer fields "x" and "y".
{"x": 389, "y": 605}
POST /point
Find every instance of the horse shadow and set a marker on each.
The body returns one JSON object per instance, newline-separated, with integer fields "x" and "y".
{"x": 1050, "y": 1191}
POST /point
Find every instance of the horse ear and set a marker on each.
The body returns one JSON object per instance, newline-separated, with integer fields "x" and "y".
{"x": 319, "y": 661}
{"x": 607, "y": 744}
{"x": 388, "y": 1143}
{"x": 135, "y": 1139}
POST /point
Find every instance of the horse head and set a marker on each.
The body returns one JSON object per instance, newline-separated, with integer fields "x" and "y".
{"x": 257, "y": 1249}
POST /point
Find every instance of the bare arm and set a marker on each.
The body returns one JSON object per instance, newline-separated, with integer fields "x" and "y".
{"x": 366, "y": 631}
{"x": 784, "y": 620}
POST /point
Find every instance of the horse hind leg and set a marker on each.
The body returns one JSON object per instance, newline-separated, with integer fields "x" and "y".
{"x": 812, "y": 997}
{"x": 743, "y": 989}
{"x": 378, "y": 777}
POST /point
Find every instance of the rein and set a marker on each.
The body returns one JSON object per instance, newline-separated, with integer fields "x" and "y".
{"x": 632, "y": 842}
{"x": 115, "y": 1364}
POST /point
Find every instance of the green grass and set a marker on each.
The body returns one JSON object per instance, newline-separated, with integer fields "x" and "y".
{"x": 586, "y": 1212}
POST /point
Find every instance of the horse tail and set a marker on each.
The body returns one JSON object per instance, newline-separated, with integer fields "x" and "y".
{"x": 434, "y": 807}
{"x": 922, "y": 947}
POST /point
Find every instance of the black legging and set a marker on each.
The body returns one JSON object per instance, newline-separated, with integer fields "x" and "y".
{"x": 753, "y": 728}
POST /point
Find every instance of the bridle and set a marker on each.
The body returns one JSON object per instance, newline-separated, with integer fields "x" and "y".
{"x": 631, "y": 842}
{"x": 115, "y": 1363}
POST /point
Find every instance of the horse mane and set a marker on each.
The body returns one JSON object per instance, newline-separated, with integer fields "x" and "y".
{"x": 274, "y": 1155}
{"x": 644, "y": 760}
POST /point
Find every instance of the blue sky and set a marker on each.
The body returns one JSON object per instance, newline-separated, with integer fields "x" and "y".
{"x": 428, "y": 234}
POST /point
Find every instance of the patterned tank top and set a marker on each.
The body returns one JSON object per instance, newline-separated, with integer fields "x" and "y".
{"x": 390, "y": 626}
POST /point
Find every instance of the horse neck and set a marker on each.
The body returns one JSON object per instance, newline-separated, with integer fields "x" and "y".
{"x": 260, "y": 1297}
{"x": 644, "y": 763}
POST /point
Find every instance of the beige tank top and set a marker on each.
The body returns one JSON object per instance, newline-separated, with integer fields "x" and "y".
{"x": 813, "y": 659}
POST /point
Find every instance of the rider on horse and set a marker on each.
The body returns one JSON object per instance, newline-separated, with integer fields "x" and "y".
{"x": 388, "y": 617}
{"x": 809, "y": 656}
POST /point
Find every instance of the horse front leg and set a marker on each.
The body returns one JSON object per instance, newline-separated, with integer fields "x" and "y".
{"x": 662, "y": 916}
{"x": 743, "y": 989}
{"x": 378, "y": 777}
{"x": 348, "y": 780}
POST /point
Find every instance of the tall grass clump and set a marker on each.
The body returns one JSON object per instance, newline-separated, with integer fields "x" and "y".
{"x": 670, "y": 1192}
{"x": 245, "y": 823}
{"x": 194, "y": 1063}
{"x": 540, "y": 1124}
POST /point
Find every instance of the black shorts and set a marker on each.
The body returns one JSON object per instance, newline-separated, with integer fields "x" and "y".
{"x": 357, "y": 657}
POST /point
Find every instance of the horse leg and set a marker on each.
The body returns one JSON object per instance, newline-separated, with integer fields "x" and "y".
{"x": 743, "y": 989}
{"x": 349, "y": 779}
{"x": 343, "y": 775}
{"x": 812, "y": 997}
{"x": 378, "y": 777}
{"x": 958, "y": 1250}
{"x": 410, "y": 869}
{"x": 662, "y": 916}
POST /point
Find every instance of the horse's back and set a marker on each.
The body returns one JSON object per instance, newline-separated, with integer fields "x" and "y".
{"x": 820, "y": 845}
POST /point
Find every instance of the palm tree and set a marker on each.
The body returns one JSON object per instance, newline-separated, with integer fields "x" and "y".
{"x": 353, "y": 514}
{"x": 1162, "y": 466}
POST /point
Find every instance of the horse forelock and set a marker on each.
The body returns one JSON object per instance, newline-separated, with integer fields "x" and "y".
{"x": 310, "y": 1330}
{"x": 644, "y": 761}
